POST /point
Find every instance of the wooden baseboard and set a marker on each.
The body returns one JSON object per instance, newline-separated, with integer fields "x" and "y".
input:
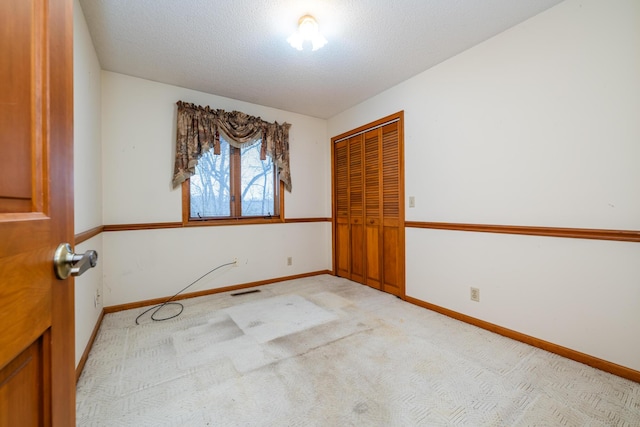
{"x": 138, "y": 304}
{"x": 595, "y": 362}
{"x": 87, "y": 349}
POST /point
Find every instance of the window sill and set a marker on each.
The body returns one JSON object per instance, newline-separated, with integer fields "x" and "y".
{"x": 206, "y": 222}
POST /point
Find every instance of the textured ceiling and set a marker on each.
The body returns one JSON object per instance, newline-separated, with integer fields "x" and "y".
{"x": 238, "y": 48}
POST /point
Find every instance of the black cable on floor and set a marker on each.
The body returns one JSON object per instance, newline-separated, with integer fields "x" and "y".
{"x": 169, "y": 302}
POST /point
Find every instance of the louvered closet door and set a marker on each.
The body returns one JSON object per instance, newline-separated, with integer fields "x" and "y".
{"x": 341, "y": 197}
{"x": 392, "y": 211}
{"x": 369, "y": 205}
{"x": 373, "y": 197}
{"x": 356, "y": 208}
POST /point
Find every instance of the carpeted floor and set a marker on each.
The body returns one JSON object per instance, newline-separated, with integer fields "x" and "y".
{"x": 324, "y": 351}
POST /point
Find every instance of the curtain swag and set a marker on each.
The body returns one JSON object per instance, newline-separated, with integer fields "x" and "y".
{"x": 199, "y": 131}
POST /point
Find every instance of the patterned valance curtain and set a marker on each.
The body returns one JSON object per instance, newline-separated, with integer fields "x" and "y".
{"x": 199, "y": 131}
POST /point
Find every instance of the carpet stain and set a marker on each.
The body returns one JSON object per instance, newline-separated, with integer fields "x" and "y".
{"x": 361, "y": 408}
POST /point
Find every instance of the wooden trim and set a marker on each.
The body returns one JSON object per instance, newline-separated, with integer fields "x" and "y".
{"x": 280, "y": 196}
{"x": 234, "y": 181}
{"x": 592, "y": 361}
{"x": 161, "y": 225}
{"x": 574, "y": 233}
{"x": 143, "y": 226}
{"x": 85, "y": 355}
{"x": 399, "y": 116}
{"x": 186, "y": 201}
{"x": 155, "y": 301}
{"x": 402, "y": 214}
{"x": 232, "y": 221}
{"x": 86, "y": 235}
{"x": 334, "y": 209}
{"x": 297, "y": 220}
{"x": 207, "y": 222}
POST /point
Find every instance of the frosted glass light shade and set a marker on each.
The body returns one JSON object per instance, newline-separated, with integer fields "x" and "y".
{"x": 307, "y": 31}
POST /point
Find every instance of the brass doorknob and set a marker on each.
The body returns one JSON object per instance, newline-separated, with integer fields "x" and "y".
{"x": 66, "y": 263}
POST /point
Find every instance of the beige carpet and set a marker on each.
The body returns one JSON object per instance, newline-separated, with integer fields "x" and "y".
{"x": 324, "y": 351}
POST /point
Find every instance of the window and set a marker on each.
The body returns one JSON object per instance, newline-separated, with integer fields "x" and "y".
{"x": 233, "y": 168}
{"x": 235, "y": 184}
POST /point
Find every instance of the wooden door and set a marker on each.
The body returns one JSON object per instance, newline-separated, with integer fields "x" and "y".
{"x": 368, "y": 195}
{"x": 356, "y": 209}
{"x": 392, "y": 210}
{"x": 342, "y": 246}
{"x": 373, "y": 199}
{"x": 37, "y": 384}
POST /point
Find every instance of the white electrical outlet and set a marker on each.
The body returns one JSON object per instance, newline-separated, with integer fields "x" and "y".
{"x": 96, "y": 298}
{"x": 289, "y": 260}
{"x": 475, "y": 294}
{"x": 236, "y": 263}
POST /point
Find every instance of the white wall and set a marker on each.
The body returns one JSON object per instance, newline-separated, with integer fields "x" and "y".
{"x": 156, "y": 263}
{"x": 87, "y": 171}
{"x": 537, "y": 126}
{"x": 138, "y": 134}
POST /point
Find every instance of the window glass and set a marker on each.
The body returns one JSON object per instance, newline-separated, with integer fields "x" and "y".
{"x": 256, "y": 182}
{"x": 211, "y": 185}
{"x": 234, "y": 184}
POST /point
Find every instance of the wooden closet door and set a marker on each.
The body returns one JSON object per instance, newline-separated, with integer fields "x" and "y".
{"x": 341, "y": 209}
{"x": 392, "y": 210}
{"x": 373, "y": 198}
{"x": 368, "y": 186}
{"x": 356, "y": 209}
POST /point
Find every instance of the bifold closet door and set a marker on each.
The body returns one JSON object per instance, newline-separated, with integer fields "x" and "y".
{"x": 373, "y": 199}
{"x": 356, "y": 209}
{"x": 342, "y": 245}
{"x": 368, "y": 207}
{"x": 349, "y": 201}
{"x": 392, "y": 210}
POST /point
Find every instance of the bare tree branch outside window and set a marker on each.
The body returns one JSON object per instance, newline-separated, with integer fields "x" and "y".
{"x": 210, "y": 187}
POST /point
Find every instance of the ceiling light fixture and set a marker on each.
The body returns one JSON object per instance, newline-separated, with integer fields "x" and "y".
{"x": 307, "y": 31}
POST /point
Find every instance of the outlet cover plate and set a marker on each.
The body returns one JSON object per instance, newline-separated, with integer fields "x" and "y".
{"x": 475, "y": 294}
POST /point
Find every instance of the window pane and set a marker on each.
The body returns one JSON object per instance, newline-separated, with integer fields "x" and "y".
{"x": 256, "y": 182}
{"x": 210, "y": 186}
